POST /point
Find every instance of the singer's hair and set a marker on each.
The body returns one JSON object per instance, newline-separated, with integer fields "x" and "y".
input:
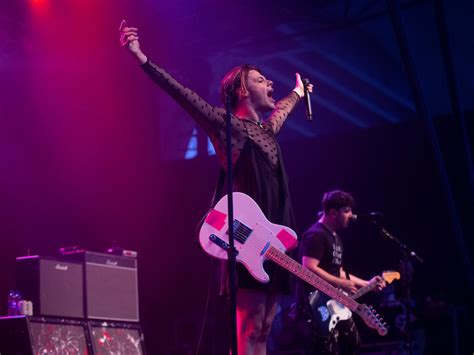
{"x": 337, "y": 199}
{"x": 235, "y": 79}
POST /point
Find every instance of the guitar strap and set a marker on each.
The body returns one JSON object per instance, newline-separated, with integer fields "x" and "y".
{"x": 215, "y": 198}
{"x": 219, "y": 186}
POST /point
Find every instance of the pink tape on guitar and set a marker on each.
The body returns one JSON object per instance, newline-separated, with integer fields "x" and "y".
{"x": 287, "y": 239}
{"x": 216, "y": 219}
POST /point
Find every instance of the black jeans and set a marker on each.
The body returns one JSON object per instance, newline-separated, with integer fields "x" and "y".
{"x": 343, "y": 340}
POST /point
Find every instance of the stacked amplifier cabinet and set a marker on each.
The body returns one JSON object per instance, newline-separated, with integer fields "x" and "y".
{"x": 110, "y": 286}
{"x": 81, "y": 285}
{"x": 83, "y": 303}
{"x": 55, "y": 287}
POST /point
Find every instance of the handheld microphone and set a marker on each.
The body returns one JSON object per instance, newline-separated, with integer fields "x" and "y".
{"x": 307, "y": 101}
{"x": 371, "y": 216}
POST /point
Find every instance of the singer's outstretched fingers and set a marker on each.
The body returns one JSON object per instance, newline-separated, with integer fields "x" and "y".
{"x": 129, "y": 40}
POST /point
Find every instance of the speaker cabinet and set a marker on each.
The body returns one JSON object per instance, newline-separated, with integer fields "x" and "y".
{"x": 32, "y": 335}
{"x": 54, "y": 286}
{"x": 111, "y": 286}
{"x": 116, "y": 338}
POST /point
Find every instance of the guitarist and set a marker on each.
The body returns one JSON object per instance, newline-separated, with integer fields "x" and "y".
{"x": 321, "y": 251}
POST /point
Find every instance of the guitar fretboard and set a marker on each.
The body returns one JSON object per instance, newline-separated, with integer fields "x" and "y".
{"x": 306, "y": 275}
{"x": 362, "y": 291}
{"x": 388, "y": 276}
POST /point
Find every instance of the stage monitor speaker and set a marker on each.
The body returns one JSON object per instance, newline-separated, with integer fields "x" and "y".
{"x": 54, "y": 286}
{"x": 32, "y": 336}
{"x": 111, "y": 286}
{"x": 116, "y": 338}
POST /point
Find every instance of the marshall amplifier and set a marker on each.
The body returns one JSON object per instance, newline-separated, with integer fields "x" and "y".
{"x": 32, "y": 336}
{"x": 54, "y": 286}
{"x": 111, "y": 286}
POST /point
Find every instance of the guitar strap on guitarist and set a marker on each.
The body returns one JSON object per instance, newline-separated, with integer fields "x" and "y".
{"x": 219, "y": 186}
{"x": 215, "y": 197}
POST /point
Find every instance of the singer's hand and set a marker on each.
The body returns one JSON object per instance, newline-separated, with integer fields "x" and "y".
{"x": 299, "y": 87}
{"x": 129, "y": 40}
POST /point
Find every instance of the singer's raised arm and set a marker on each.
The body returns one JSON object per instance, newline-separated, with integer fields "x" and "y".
{"x": 284, "y": 107}
{"x": 209, "y": 117}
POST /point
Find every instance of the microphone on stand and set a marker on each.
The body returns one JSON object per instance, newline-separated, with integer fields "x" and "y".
{"x": 307, "y": 101}
{"x": 371, "y": 216}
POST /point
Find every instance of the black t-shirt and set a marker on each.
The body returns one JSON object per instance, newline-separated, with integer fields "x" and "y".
{"x": 320, "y": 243}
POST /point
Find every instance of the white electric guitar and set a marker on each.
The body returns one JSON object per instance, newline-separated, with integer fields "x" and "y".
{"x": 258, "y": 240}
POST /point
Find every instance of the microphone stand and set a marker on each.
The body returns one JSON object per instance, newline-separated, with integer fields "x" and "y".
{"x": 231, "y": 252}
{"x": 406, "y": 271}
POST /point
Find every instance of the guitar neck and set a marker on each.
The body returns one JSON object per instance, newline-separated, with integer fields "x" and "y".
{"x": 388, "y": 276}
{"x": 363, "y": 290}
{"x": 314, "y": 280}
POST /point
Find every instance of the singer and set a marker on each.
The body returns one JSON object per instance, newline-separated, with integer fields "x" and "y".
{"x": 258, "y": 169}
{"x": 321, "y": 251}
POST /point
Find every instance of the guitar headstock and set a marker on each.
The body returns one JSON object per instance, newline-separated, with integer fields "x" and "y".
{"x": 372, "y": 319}
{"x": 389, "y": 276}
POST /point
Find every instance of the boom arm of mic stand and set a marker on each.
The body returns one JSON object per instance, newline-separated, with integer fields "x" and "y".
{"x": 406, "y": 269}
{"x": 402, "y": 246}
